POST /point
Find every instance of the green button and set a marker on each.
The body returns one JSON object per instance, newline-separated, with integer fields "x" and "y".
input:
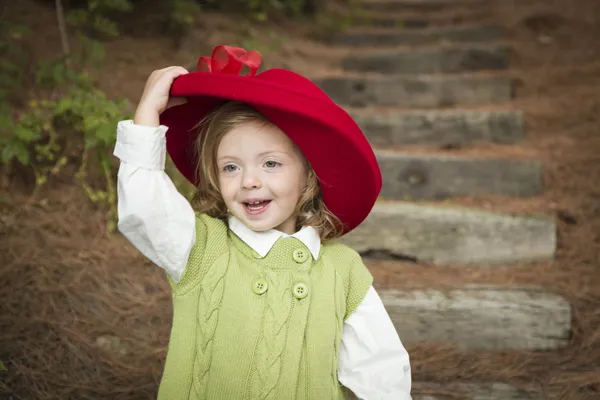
{"x": 260, "y": 286}
{"x": 300, "y": 255}
{"x": 300, "y": 290}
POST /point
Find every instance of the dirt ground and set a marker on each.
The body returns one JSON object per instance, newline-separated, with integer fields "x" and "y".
{"x": 84, "y": 316}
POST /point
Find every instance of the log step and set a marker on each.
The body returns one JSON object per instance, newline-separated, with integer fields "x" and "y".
{"x": 386, "y": 21}
{"x": 440, "y": 129}
{"x": 439, "y": 60}
{"x": 471, "y": 391}
{"x": 480, "y": 317}
{"x": 418, "y": 20}
{"x": 452, "y": 235}
{"x": 437, "y": 177}
{"x": 423, "y": 91}
{"x": 452, "y": 35}
{"x": 467, "y": 391}
{"x": 419, "y": 5}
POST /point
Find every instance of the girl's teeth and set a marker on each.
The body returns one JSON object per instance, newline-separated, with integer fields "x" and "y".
{"x": 257, "y": 205}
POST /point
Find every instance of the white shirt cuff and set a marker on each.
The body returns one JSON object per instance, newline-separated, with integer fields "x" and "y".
{"x": 141, "y": 146}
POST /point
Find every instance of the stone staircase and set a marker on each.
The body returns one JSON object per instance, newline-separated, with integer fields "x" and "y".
{"x": 428, "y": 86}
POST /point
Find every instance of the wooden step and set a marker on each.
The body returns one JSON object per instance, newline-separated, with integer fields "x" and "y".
{"x": 440, "y": 129}
{"x": 471, "y": 391}
{"x": 480, "y": 317}
{"x": 419, "y": 5}
{"x": 453, "y": 235}
{"x": 451, "y": 35}
{"x": 438, "y": 60}
{"x": 418, "y": 20}
{"x": 437, "y": 177}
{"x": 387, "y": 21}
{"x": 468, "y": 391}
{"x": 423, "y": 91}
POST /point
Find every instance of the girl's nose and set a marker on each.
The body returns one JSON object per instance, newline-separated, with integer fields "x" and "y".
{"x": 250, "y": 181}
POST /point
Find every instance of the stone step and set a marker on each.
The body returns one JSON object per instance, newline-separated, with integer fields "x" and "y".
{"x": 440, "y": 129}
{"x": 419, "y": 5}
{"x": 471, "y": 391}
{"x": 422, "y": 91}
{"x": 444, "y": 235}
{"x": 437, "y": 177}
{"x": 438, "y": 60}
{"x": 478, "y": 317}
{"x": 452, "y": 35}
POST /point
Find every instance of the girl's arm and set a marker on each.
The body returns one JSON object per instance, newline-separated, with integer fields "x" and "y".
{"x": 153, "y": 215}
{"x": 373, "y": 362}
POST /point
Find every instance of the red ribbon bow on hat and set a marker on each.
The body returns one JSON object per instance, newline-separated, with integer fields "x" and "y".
{"x": 230, "y": 60}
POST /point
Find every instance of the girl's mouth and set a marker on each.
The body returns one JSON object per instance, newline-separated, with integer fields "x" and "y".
{"x": 256, "y": 207}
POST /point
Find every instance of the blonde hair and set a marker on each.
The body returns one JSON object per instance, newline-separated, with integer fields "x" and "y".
{"x": 310, "y": 210}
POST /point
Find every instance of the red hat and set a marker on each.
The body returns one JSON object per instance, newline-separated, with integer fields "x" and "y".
{"x": 328, "y": 137}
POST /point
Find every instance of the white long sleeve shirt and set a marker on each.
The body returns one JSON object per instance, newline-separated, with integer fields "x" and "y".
{"x": 160, "y": 223}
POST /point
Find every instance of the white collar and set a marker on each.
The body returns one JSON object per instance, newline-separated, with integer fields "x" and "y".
{"x": 262, "y": 242}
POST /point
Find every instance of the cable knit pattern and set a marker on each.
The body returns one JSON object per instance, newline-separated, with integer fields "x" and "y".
{"x": 211, "y": 294}
{"x": 274, "y": 334}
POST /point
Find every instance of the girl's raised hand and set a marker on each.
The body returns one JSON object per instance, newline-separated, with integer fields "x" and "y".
{"x": 155, "y": 98}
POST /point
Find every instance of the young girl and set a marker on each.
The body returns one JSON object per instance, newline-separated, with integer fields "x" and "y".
{"x": 266, "y": 305}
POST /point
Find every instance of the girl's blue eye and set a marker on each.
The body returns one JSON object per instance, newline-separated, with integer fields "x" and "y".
{"x": 229, "y": 168}
{"x": 272, "y": 164}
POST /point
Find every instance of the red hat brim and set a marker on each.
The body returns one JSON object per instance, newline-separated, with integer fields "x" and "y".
{"x": 328, "y": 137}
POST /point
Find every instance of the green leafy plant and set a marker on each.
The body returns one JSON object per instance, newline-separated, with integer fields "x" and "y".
{"x": 260, "y": 9}
{"x": 181, "y": 14}
{"x": 72, "y": 113}
{"x": 95, "y": 16}
{"x": 67, "y": 121}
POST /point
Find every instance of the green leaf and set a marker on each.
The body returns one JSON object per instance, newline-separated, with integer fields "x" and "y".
{"x": 6, "y": 123}
{"x": 94, "y": 51}
{"x": 106, "y": 26}
{"x": 106, "y": 134}
{"x": 15, "y": 150}
{"x": 77, "y": 17}
{"x": 25, "y": 134}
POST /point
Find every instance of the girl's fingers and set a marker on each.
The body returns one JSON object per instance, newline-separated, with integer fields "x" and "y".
{"x": 169, "y": 75}
{"x": 176, "y": 71}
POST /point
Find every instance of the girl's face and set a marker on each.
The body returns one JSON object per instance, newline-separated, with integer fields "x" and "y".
{"x": 261, "y": 176}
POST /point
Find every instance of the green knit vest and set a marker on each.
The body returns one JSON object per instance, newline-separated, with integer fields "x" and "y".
{"x": 251, "y": 328}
